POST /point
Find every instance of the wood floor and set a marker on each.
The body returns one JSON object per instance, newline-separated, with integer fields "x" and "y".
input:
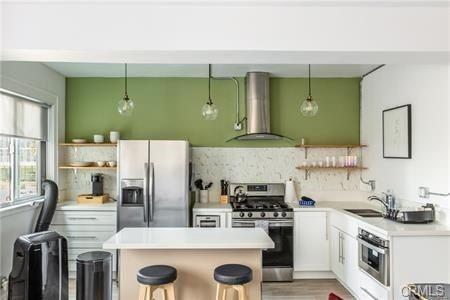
{"x": 305, "y": 289}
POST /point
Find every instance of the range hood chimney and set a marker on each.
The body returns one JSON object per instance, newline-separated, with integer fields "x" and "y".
{"x": 258, "y": 108}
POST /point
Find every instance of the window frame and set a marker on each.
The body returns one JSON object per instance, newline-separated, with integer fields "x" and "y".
{"x": 15, "y": 169}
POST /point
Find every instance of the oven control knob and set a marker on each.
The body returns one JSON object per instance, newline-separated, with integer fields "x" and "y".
{"x": 249, "y": 214}
{"x": 275, "y": 214}
{"x": 263, "y": 214}
{"x": 283, "y": 214}
{"x": 241, "y": 214}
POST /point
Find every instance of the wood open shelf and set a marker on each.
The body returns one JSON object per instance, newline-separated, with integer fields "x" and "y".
{"x": 331, "y": 146}
{"x": 331, "y": 168}
{"x": 88, "y": 145}
{"x": 308, "y": 169}
{"x": 86, "y": 168}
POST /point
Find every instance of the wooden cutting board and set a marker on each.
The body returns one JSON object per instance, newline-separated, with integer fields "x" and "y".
{"x": 91, "y": 199}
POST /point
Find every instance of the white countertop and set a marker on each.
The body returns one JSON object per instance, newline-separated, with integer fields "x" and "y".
{"x": 212, "y": 207}
{"x": 385, "y": 226}
{"x": 189, "y": 238}
{"x": 73, "y": 205}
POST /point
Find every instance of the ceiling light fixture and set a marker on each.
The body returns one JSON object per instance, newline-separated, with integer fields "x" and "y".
{"x": 309, "y": 107}
{"x": 126, "y": 105}
{"x": 209, "y": 110}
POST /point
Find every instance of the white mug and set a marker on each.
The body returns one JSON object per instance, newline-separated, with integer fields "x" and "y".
{"x": 114, "y": 136}
{"x": 98, "y": 138}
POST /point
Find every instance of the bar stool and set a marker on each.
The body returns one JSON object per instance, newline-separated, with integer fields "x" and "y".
{"x": 232, "y": 276}
{"x": 156, "y": 277}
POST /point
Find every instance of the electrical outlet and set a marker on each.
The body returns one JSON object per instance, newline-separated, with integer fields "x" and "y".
{"x": 237, "y": 126}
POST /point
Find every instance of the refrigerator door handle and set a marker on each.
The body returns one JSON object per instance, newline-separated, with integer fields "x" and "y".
{"x": 151, "y": 189}
{"x": 146, "y": 194}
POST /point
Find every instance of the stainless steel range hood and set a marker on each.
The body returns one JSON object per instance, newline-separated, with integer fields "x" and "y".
{"x": 258, "y": 108}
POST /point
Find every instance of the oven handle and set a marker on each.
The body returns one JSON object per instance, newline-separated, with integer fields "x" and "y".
{"x": 373, "y": 247}
{"x": 281, "y": 223}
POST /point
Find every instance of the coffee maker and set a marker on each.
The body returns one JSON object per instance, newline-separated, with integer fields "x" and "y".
{"x": 97, "y": 184}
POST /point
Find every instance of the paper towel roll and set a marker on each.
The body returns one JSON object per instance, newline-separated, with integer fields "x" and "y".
{"x": 290, "y": 195}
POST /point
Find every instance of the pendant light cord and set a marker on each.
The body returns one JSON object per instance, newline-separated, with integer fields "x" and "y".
{"x": 209, "y": 84}
{"x": 309, "y": 79}
{"x": 126, "y": 81}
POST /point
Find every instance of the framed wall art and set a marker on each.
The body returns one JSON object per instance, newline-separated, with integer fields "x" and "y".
{"x": 397, "y": 132}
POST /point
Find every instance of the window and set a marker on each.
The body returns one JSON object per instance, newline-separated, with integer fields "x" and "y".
{"x": 21, "y": 169}
{"x": 23, "y": 135}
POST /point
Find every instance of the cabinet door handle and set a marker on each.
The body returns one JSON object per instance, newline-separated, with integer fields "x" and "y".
{"x": 82, "y": 218}
{"x": 81, "y": 237}
{"x": 340, "y": 253}
{"x": 342, "y": 244}
{"x": 368, "y": 293}
{"x": 326, "y": 227}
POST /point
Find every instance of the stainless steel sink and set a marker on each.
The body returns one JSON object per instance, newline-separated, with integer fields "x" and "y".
{"x": 365, "y": 212}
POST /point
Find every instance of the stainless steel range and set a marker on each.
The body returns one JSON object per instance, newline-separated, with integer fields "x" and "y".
{"x": 262, "y": 205}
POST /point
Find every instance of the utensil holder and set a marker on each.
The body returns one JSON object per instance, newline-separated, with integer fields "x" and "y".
{"x": 204, "y": 196}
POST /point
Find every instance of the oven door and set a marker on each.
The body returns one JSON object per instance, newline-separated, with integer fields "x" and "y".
{"x": 374, "y": 260}
{"x": 277, "y": 262}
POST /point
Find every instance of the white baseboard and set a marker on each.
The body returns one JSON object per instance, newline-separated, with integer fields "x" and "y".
{"x": 314, "y": 275}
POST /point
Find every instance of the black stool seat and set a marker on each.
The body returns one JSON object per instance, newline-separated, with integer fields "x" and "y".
{"x": 233, "y": 274}
{"x": 157, "y": 275}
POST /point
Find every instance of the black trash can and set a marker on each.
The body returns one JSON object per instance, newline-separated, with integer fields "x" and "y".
{"x": 94, "y": 276}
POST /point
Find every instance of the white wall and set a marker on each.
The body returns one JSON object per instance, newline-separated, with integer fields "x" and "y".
{"x": 426, "y": 88}
{"x": 37, "y": 81}
{"x": 227, "y": 31}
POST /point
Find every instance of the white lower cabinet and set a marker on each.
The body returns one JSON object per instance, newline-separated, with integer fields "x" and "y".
{"x": 85, "y": 231}
{"x": 337, "y": 265}
{"x": 311, "y": 242}
{"x": 344, "y": 259}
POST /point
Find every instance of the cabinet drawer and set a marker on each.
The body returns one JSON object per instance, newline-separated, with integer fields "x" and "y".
{"x": 369, "y": 288}
{"x": 86, "y": 239}
{"x": 75, "y": 227}
{"x": 344, "y": 223}
{"x": 73, "y": 254}
{"x": 84, "y": 217}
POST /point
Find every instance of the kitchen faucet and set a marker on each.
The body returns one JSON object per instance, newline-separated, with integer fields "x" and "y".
{"x": 388, "y": 200}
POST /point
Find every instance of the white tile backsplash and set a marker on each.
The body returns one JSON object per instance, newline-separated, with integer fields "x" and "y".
{"x": 270, "y": 165}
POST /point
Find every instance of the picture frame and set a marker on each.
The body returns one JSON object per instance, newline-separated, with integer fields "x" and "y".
{"x": 397, "y": 132}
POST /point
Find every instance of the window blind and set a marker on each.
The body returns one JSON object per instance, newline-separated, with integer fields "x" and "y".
{"x": 22, "y": 117}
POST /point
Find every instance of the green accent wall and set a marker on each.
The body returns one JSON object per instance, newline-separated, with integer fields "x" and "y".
{"x": 170, "y": 108}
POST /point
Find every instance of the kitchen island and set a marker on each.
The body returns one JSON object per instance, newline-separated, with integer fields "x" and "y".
{"x": 194, "y": 252}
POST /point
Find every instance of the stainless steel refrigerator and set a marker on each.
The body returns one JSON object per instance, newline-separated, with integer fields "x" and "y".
{"x": 153, "y": 183}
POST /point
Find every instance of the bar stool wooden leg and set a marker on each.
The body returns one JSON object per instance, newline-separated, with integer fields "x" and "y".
{"x": 142, "y": 292}
{"x": 170, "y": 291}
{"x": 221, "y": 291}
{"x": 150, "y": 290}
{"x": 242, "y": 291}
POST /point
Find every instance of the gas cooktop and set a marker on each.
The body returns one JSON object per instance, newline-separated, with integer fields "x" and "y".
{"x": 261, "y": 205}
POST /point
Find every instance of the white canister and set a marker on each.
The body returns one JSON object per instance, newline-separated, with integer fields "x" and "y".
{"x": 114, "y": 137}
{"x": 98, "y": 138}
{"x": 204, "y": 196}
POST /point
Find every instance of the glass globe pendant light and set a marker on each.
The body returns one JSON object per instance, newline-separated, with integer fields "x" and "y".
{"x": 126, "y": 105}
{"x": 309, "y": 107}
{"x": 209, "y": 110}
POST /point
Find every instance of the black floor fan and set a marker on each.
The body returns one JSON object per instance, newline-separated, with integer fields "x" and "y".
{"x": 40, "y": 269}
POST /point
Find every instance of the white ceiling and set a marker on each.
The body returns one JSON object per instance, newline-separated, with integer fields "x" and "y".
{"x": 166, "y": 70}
